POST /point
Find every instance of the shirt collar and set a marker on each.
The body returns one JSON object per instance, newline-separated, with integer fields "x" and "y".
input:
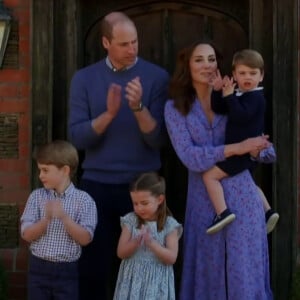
{"x": 65, "y": 193}
{"x": 240, "y": 93}
{"x": 110, "y": 65}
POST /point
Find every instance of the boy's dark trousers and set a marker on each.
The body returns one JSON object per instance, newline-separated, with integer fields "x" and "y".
{"x": 52, "y": 280}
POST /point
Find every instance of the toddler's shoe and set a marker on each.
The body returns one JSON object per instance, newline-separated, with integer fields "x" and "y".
{"x": 220, "y": 221}
{"x": 272, "y": 218}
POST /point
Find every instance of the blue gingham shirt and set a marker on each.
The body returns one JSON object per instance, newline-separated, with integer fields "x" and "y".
{"x": 56, "y": 244}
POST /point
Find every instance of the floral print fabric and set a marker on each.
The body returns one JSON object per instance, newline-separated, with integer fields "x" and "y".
{"x": 232, "y": 264}
{"x": 143, "y": 276}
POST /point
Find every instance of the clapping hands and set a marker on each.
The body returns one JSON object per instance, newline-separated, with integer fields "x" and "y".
{"x": 145, "y": 237}
{"x": 54, "y": 209}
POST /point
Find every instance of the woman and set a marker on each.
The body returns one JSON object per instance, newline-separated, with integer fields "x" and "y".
{"x": 232, "y": 264}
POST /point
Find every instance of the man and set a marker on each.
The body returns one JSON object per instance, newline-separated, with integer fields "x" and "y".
{"x": 116, "y": 117}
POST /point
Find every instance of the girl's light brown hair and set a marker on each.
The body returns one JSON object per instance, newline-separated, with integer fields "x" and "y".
{"x": 58, "y": 153}
{"x": 155, "y": 184}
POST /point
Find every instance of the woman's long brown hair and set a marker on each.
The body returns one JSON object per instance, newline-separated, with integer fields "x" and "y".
{"x": 181, "y": 88}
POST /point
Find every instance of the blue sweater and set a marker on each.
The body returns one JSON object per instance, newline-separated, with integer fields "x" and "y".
{"x": 122, "y": 151}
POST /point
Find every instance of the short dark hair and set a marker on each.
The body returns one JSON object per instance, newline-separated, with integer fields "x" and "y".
{"x": 58, "y": 153}
{"x": 248, "y": 57}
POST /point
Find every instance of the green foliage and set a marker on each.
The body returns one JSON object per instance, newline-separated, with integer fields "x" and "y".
{"x": 3, "y": 282}
{"x": 295, "y": 288}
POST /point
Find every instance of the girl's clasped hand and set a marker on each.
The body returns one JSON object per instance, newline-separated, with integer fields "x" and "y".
{"x": 145, "y": 237}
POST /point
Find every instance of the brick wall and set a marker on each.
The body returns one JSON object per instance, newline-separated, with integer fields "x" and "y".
{"x": 15, "y": 160}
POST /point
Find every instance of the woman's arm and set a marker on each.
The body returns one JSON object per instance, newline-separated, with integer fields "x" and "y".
{"x": 250, "y": 145}
{"x": 201, "y": 155}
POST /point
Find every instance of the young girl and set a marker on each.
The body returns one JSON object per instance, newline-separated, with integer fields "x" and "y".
{"x": 148, "y": 245}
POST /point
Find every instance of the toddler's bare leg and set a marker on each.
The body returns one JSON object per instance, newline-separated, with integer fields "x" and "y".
{"x": 214, "y": 188}
{"x": 264, "y": 199}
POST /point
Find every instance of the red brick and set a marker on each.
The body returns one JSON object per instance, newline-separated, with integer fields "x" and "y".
{"x": 15, "y": 180}
{"x": 9, "y": 90}
{"x": 9, "y": 3}
{"x": 12, "y": 3}
{"x": 8, "y": 75}
{"x": 17, "y": 4}
{"x": 22, "y": 14}
{"x": 14, "y": 105}
{"x": 24, "y": 31}
{"x": 14, "y": 196}
{"x": 24, "y": 151}
{"x": 11, "y": 180}
{"x": 14, "y": 165}
{"x": 23, "y": 137}
{"x": 15, "y": 98}
{"x": 24, "y": 45}
{"x": 24, "y": 61}
{"x": 24, "y": 91}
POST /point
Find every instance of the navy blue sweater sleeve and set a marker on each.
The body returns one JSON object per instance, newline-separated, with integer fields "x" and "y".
{"x": 218, "y": 104}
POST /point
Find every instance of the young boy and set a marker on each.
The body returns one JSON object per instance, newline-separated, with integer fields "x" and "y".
{"x": 245, "y": 108}
{"x": 57, "y": 221}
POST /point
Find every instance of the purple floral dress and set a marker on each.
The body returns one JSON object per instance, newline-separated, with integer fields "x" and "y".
{"x": 232, "y": 264}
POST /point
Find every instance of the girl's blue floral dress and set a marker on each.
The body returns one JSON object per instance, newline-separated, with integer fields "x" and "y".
{"x": 143, "y": 275}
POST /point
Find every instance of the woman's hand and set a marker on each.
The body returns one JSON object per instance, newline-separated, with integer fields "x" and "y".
{"x": 251, "y": 145}
{"x": 216, "y": 81}
{"x": 254, "y": 145}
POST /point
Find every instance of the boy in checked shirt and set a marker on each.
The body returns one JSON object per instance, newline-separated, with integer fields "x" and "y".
{"x": 57, "y": 221}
